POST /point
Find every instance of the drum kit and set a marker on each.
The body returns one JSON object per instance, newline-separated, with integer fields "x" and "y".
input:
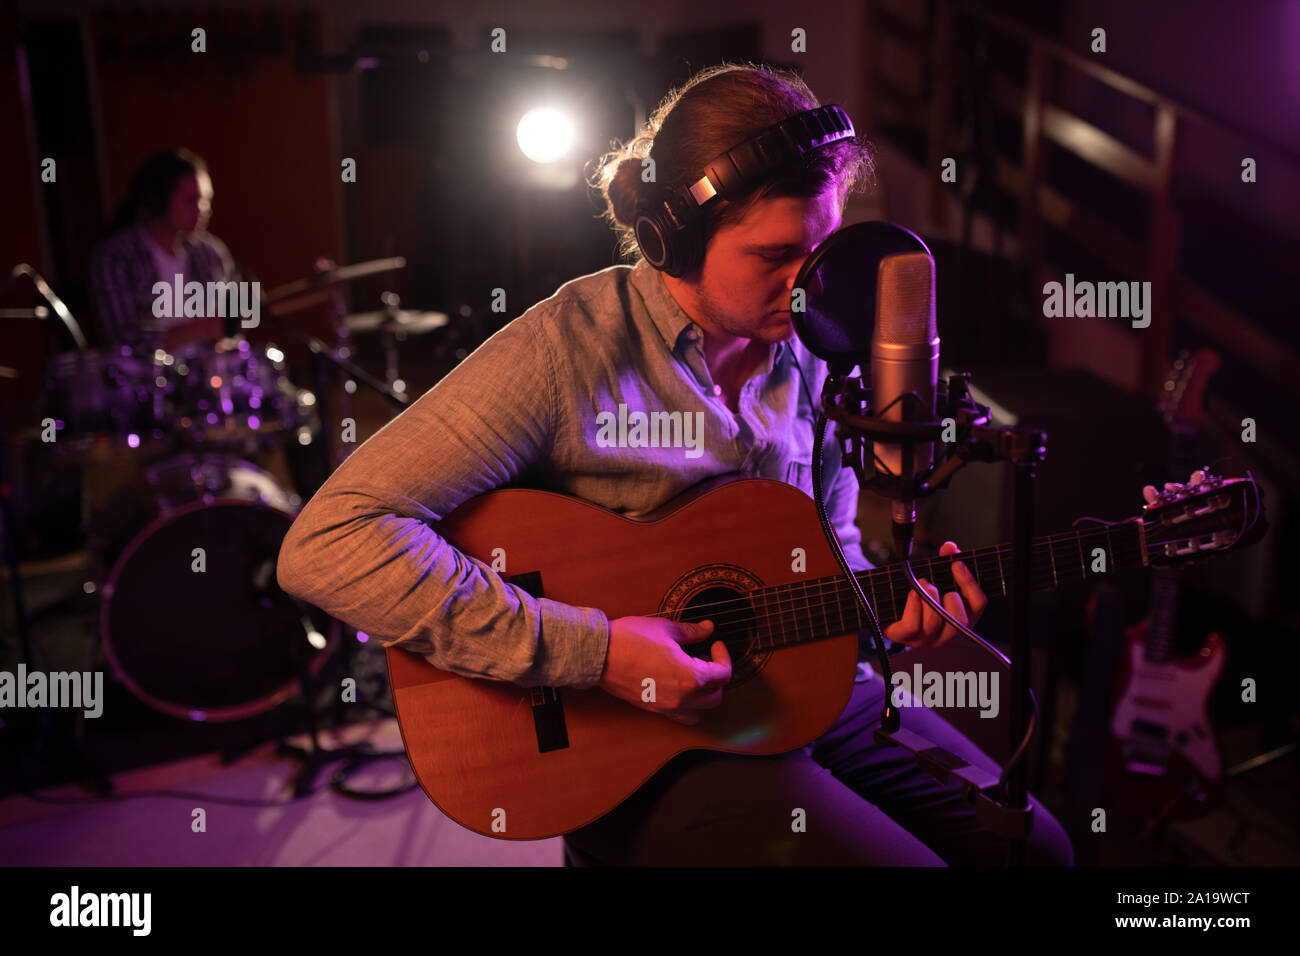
{"x": 182, "y": 552}
{"x": 225, "y": 394}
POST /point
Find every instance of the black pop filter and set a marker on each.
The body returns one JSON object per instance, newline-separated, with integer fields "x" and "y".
{"x": 839, "y": 285}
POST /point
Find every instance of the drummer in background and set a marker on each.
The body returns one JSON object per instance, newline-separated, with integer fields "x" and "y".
{"x": 159, "y": 230}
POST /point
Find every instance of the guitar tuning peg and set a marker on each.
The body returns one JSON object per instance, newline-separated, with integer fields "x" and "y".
{"x": 1149, "y": 494}
{"x": 1196, "y": 479}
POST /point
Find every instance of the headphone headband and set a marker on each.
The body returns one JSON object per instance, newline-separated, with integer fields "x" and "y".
{"x": 749, "y": 164}
{"x": 667, "y": 229}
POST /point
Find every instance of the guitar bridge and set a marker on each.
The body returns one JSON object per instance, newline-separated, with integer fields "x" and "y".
{"x": 548, "y": 720}
{"x": 548, "y": 710}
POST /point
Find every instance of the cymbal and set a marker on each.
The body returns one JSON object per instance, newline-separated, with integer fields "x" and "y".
{"x": 405, "y": 321}
{"x": 325, "y": 278}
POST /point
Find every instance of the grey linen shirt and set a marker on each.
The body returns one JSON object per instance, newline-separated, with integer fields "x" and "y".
{"x": 537, "y": 405}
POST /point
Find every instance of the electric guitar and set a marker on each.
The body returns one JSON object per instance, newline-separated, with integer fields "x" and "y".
{"x": 1164, "y": 759}
{"x": 530, "y": 763}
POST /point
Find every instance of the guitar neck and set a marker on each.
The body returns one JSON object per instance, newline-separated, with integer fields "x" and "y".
{"x": 1159, "y": 646}
{"x": 794, "y": 613}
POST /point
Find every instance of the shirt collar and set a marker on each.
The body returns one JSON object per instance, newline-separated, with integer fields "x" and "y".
{"x": 669, "y": 317}
{"x": 677, "y": 328}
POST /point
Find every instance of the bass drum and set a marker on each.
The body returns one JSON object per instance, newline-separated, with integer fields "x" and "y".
{"x": 191, "y": 617}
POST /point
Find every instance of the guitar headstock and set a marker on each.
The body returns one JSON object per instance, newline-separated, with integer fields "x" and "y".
{"x": 1205, "y": 515}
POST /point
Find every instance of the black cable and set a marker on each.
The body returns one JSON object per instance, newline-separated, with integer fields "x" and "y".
{"x": 903, "y": 548}
{"x": 889, "y": 716}
{"x": 340, "y": 779}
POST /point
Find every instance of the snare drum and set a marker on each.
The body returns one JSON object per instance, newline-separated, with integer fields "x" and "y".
{"x": 234, "y": 390}
{"x": 192, "y": 618}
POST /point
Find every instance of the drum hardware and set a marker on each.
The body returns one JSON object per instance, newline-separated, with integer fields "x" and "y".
{"x": 309, "y": 291}
{"x": 394, "y": 325}
{"x": 337, "y": 359}
{"x": 55, "y": 303}
{"x": 315, "y": 757}
{"x": 326, "y": 285}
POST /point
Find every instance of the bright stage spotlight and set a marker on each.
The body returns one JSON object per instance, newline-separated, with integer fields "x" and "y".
{"x": 545, "y": 135}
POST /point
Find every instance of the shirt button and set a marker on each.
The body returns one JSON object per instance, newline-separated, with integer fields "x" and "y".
{"x": 717, "y": 389}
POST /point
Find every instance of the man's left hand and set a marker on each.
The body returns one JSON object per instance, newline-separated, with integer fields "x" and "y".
{"x": 921, "y": 626}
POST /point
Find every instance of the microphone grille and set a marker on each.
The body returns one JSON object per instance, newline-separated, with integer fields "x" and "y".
{"x": 905, "y": 299}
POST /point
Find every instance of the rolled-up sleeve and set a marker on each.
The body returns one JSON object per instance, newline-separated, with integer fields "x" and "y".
{"x": 363, "y": 549}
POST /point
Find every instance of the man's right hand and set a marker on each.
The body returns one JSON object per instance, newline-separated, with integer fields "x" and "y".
{"x": 651, "y": 647}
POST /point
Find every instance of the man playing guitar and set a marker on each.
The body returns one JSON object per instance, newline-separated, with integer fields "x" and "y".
{"x": 699, "y": 328}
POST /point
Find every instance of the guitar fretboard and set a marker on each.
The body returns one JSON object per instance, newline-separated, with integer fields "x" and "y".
{"x": 795, "y": 613}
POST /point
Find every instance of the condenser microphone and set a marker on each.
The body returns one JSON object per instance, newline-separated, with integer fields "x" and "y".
{"x": 904, "y": 366}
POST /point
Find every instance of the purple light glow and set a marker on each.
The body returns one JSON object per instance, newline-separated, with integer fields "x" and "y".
{"x": 133, "y": 440}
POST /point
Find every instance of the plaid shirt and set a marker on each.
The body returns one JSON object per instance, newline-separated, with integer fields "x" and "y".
{"x": 122, "y": 276}
{"x": 527, "y": 403}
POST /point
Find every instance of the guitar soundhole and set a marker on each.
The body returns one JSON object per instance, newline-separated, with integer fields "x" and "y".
{"x": 732, "y": 617}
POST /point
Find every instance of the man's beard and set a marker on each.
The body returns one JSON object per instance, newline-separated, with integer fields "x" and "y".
{"x": 721, "y": 319}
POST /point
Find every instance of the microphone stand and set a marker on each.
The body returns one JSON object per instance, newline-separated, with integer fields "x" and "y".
{"x": 844, "y": 401}
{"x": 55, "y": 303}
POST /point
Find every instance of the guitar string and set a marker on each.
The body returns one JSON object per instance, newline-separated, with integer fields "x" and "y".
{"x": 788, "y": 598}
{"x": 792, "y": 613}
{"x": 795, "y": 602}
{"x": 928, "y": 565}
{"x": 1040, "y": 579}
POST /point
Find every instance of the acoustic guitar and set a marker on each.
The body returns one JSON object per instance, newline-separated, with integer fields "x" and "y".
{"x": 527, "y": 763}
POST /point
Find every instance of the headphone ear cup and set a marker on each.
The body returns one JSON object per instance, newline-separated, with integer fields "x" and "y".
{"x": 653, "y": 236}
{"x": 668, "y": 233}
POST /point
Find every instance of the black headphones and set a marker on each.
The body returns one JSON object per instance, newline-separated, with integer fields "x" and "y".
{"x": 668, "y": 225}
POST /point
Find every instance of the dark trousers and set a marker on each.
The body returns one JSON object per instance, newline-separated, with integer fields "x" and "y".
{"x": 864, "y": 805}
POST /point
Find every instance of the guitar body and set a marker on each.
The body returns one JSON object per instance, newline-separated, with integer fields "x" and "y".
{"x": 1164, "y": 758}
{"x": 529, "y": 763}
